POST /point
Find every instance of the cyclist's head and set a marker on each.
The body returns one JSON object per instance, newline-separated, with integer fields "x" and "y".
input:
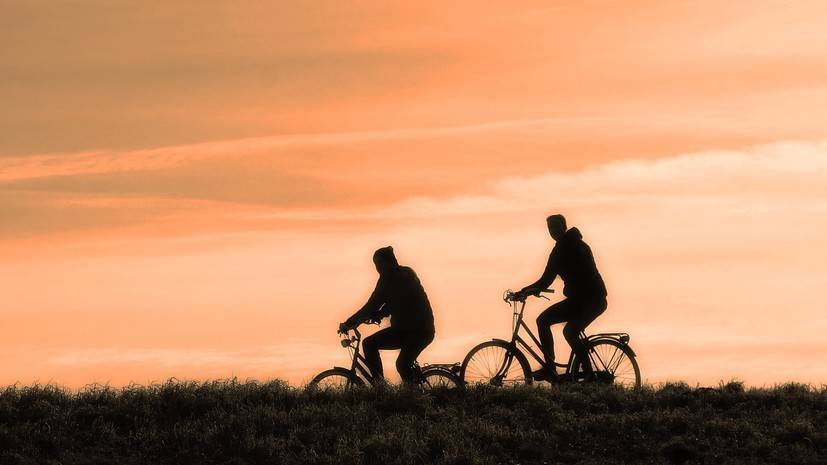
{"x": 384, "y": 259}
{"x": 556, "y": 226}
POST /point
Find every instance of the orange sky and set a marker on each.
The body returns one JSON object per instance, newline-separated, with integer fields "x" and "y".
{"x": 196, "y": 191}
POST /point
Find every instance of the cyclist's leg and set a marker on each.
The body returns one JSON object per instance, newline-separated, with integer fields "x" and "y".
{"x": 587, "y": 310}
{"x": 413, "y": 345}
{"x": 557, "y": 313}
{"x": 388, "y": 338}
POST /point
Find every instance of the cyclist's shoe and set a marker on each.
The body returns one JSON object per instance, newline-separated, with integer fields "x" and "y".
{"x": 545, "y": 375}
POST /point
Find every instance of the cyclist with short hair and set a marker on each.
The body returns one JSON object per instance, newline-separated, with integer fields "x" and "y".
{"x": 585, "y": 292}
{"x": 400, "y": 295}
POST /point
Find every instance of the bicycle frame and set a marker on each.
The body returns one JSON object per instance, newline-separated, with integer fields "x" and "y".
{"x": 359, "y": 363}
{"x": 518, "y": 307}
{"x": 518, "y": 322}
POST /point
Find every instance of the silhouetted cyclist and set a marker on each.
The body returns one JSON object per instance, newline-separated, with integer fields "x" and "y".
{"x": 585, "y": 292}
{"x": 400, "y": 295}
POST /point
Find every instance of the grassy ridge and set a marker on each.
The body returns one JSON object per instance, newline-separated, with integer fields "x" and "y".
{"x": 246, "y": 422}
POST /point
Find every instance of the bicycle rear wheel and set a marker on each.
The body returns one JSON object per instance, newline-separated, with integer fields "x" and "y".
{"x": 436, "y": 378}
{"x": 336, "y": 378}
{"x": 495, "y": 363}
{"x": 613, "y": 363}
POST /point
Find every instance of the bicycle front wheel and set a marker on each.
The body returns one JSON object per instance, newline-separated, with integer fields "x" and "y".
{"x": 335, "y": 379}
{"x": 435, "y": 378}
{"x": 495, "y": 363}
{"x": 613, "y": 362}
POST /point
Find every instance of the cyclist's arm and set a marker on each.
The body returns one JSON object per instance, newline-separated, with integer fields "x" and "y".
{"x": 372, "y": 307}
{"x": 547, "y": 278}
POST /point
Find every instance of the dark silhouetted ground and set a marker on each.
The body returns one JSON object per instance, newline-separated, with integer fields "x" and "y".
{"x": 270, "y": 423}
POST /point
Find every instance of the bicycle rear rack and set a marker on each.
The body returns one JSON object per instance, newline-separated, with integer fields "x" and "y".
{"x": 622, "y": 337}
{"x": 452, "y": 367}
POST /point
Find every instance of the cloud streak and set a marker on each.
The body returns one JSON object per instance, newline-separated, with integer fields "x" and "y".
{"x": 14, "y": 168}
{"x": 214, "y": 186}
{"x": 769, "y": 175}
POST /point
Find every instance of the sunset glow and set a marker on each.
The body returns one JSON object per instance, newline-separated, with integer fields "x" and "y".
{"x": 197, "y": 191}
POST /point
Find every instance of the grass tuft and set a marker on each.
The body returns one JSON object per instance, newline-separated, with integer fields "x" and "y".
{"x": 233, "y": 422}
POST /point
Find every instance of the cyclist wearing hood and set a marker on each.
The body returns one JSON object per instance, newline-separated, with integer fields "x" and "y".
{"x": 585, "y": 292}
{"x": 400, "y": 295}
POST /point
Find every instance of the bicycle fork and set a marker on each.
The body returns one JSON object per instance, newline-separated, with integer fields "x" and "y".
{"x": 497, "y": 380}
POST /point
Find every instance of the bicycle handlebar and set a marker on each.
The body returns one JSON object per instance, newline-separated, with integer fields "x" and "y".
{"x": 347, "y": 341}
{"x": 511, "y": 296}
{"x": 356, "y": 330}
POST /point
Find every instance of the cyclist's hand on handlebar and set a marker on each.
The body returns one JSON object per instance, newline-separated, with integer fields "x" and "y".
{"x": 522, "y": 294}
{"x": 518, "y": 296}
{"x": 343, "y": 328}
{"x": 527, "y": 291}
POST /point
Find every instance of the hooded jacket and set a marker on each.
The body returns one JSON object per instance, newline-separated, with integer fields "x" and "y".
{"x": 572, "y": 260}
{"x": 398, "y": 294}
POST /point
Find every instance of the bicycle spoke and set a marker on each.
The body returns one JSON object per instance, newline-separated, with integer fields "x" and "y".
{"x": 493, "y": 364}
{"x": 602, "y": 356}
{"x": 619, "y": 360}
{"x": 484, "y": 364}
{"x": 613, "y": 359}
{"x": 487, "y": 354}
{"x": 439, "y": 380}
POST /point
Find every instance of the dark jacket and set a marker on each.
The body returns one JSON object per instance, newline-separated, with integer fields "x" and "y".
{"x": 572, "y": 260}
{"x": 400, "y": 295}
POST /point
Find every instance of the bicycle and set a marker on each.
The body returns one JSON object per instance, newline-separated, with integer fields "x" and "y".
{"x": 429, "y": 376}
{"x": 493, "y": 362}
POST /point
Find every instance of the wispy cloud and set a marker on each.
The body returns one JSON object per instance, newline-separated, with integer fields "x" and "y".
{"x": 770, "y": 174}
{"x": 217, "y": 187}
{"x": 70, "y": 164}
